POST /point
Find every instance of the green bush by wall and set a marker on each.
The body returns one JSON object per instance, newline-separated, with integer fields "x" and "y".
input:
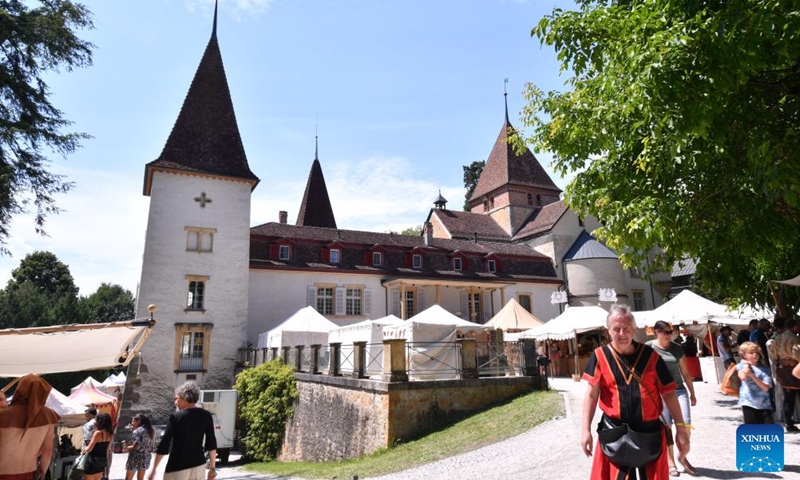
{"x": 266, "y": 398}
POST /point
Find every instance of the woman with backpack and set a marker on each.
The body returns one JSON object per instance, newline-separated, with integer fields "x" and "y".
{"x": 141, "y": 447}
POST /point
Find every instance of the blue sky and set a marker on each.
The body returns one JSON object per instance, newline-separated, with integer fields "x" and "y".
{"x": 406, "y": 93}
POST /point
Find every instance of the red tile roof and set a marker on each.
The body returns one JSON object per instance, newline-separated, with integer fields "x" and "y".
{"x": 466, "y": 224}
{"x": 541, "y": 220}
{"x": 505, "y": 167}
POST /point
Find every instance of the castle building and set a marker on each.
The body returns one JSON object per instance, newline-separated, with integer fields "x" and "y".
{"x": 219, "y": 283}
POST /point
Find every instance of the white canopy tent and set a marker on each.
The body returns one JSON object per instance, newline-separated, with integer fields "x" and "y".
{"x": 305, "y": 327}
{"x": 432, "y": 334}
{"x": 72, "y": 413}
{"x": 71, "y": 348}
{"x": 513, "y": 317}
{"x": 685, "y": 307}
{"x": 566, "y": 326}
{"x": 370, "y": 331}
{"x": 89, "y": 381}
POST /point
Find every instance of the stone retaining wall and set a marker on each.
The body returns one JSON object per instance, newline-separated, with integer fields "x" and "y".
{"x": 339, "y": 417}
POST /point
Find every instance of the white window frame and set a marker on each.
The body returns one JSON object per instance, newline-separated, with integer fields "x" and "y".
{"x": 335, "y": 255}
{"x": 377, "y": 259}
{"x": 457, "y": 264}
{"x": 325, "y": 299}
{"x": 284, "y": 252}
{"x": 411, "y": 302}
{"x": 354, "y": 301}
{"x": 200, "y": 289}
{"x": 416, "y": 261}
{"x": 491, "y": 266}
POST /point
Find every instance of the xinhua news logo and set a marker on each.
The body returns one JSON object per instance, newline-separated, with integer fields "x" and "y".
{"x": 759, "y": 448}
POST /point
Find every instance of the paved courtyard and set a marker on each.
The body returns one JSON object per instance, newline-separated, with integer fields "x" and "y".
{"x": 551, "y": 450}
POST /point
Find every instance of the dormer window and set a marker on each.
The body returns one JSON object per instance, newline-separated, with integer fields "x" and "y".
{"x": 457, "y": 264}
{"x": 285, "y": 252}
{"x": 491, "y": 266}
{"x": 416, "y": 261}
{"x": 335, "y": 255}
{"x": 539, "y": 200}
{"x": 491, "y": 202}
{"x": 530, "y": 199}
{"x": 486, "y": 205}
{"x": 377, "y": 259}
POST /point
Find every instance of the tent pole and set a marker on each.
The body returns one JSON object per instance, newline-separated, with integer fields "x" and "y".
{"x": 576, "y": 353}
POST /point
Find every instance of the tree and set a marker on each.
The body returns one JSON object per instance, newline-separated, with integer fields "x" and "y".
{"x": 110, "y": 303}
{"x": 472, "y": 173}
{"x": 41, "y": 292}
{"x": 34, "y": 41}
{"x": 682, "y": 121}
{"x": 412, "y": 231}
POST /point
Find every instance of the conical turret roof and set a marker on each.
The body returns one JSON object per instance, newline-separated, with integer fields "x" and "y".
{"x": 205, "y": 138}
{"x": 316, "y": 210}
{"x": 505, "y": 167}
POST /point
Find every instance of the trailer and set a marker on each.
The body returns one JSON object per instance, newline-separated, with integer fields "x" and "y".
{"x": 222, "y": 405}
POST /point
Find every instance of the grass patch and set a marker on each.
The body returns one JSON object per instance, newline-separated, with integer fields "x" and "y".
{"x": 484, "y": 428}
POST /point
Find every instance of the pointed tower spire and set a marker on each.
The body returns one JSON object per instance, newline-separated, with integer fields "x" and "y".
{"x": 205, "y": 138}
{"x": 505, "y": 95}
{"x": 316, "y": 210}
{"x": 316, "y": 147}
{"x": 214, "y": 28}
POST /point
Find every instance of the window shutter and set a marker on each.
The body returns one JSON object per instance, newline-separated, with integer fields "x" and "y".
{"x": 326, "y": 255}
{"x": 339, "y": 301}
{"x": 367, "y": 302}
{"x": 368, "y": 258}
{"x": 465, "y": 264}
{"x": 311, "y": 297}
{"x": 192, "y": 242}
{"x": 464, "y": 306}
{"x": 206, "y": 242}
{"x": 420, "y": 300}
{"x": 274, "y": 251}
{"x": 396, "y": 303}
{"x": 498, "y": 265}
{"x": 409, "y": 260}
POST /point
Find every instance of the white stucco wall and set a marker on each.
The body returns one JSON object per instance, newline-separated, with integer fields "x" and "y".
{"x": 165, "y": 265}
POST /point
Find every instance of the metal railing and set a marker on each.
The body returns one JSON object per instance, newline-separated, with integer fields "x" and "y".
{"x": 432, "y": 360}
{"x": 497, "y": 359}
{"x": 190, "y": 363}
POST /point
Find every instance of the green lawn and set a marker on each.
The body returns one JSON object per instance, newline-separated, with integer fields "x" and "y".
{"x": 490, "y": 426}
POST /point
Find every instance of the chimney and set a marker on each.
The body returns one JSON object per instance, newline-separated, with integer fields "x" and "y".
{"x": 282, "y": 216}
{"x": 427, "y": 232}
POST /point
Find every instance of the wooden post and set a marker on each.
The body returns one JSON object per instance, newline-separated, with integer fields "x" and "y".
{"x": 394, "y": 361}
{"x": 469, "y": 359}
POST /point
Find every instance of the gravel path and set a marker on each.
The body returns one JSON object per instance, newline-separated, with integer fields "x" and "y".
{"x": 551, "y": 451}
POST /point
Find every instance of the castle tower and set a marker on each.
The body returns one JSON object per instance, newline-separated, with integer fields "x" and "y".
{"x": 196, "y": 255}
{"x": 512, "y": 185}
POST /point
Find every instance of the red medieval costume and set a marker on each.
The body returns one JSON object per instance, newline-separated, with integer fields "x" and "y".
{"x": 638, "y": 403}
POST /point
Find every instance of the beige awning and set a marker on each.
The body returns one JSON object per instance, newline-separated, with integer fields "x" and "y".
{"x": 70, "y": 348}
{"x": 513, "y": 316}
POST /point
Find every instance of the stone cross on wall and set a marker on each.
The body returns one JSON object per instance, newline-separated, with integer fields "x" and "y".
{"x": 202, "y": 200}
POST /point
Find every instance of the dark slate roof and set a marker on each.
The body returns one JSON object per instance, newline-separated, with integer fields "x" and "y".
{"x": 586, "y": 246}
{"x": 686, "y": 266}
{"x": 541, "y": 220}
{"x": 467, "y": 224}
{"x": 505, "y": 167}
{"x": 205, "y": 137}
{"x": 315, "y": 210}
{"x": 327, "y": 235}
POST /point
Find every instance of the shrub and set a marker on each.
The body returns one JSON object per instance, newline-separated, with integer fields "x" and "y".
{"x": 266, "y": 400}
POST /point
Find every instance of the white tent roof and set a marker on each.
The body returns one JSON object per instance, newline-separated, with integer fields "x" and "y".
{"x": 70, "y": 348}
{"x": 88, "y": 381}
{"x": 305, "y": 327}
{"x": 685, "y": 307}
{"x": 795, "y": 282}
{"x": 512, "y": 315}
{"x": 88, "y": 394}
{"x": 436, "y": 315}
{"x": 574, "y": 320}
{"x": 72, "y": 412}
{"x": 370, "y": 331}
